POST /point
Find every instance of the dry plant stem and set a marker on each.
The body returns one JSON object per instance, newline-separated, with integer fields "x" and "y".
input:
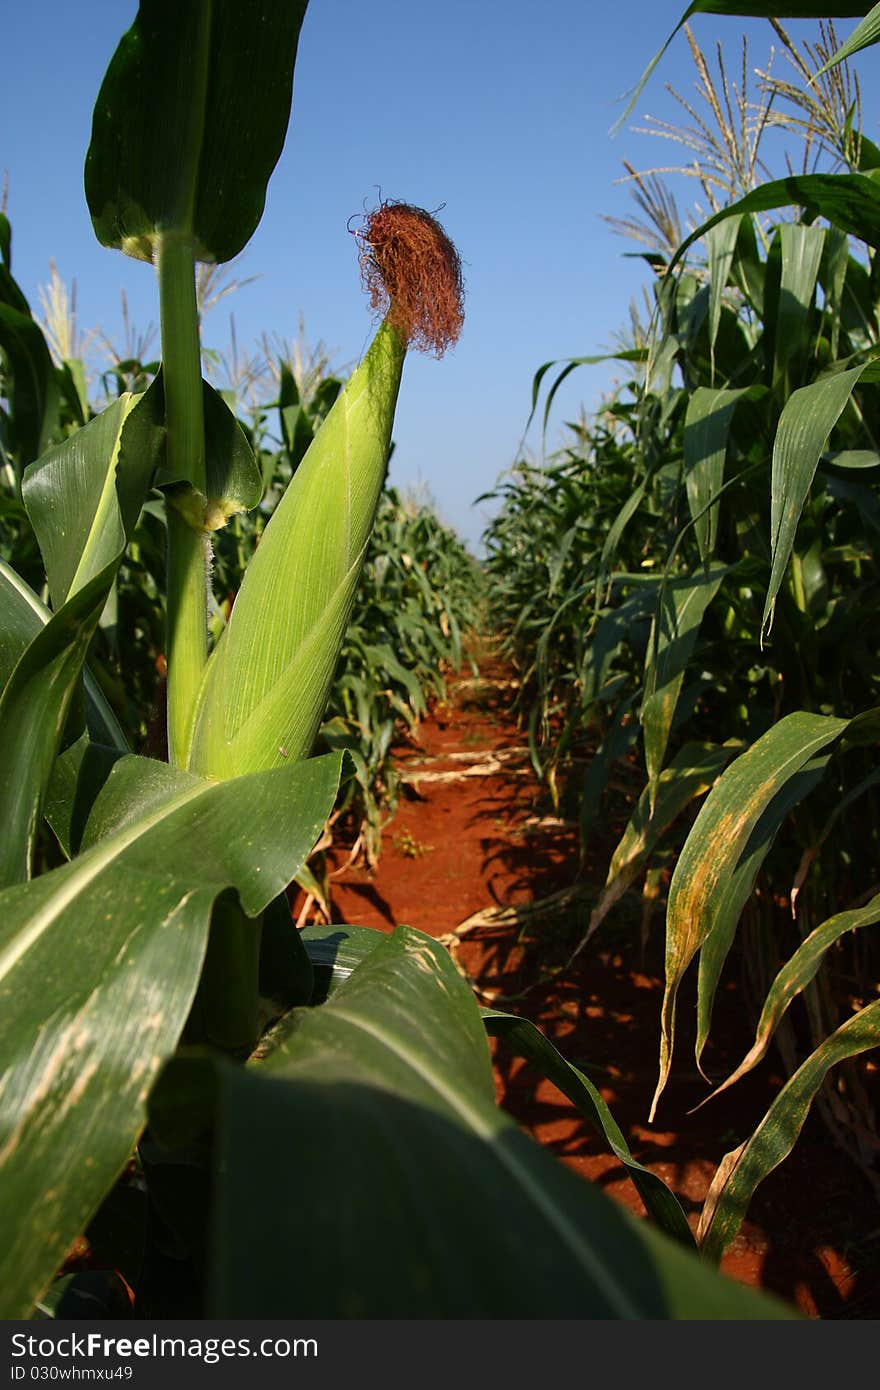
{"x": 187, "y": 618}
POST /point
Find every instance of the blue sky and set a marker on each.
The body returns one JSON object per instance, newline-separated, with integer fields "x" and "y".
{"x": 500, "y": 109}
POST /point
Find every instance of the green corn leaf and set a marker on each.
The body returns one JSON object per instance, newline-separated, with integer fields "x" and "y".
{"x": 568, "y": 365}
{"x": 864, "y": 784}
{"x": 615, "y": 535}
{"x": 719, "y": 836}
{"x": 748, "y": 270}
{"x": 614, "y": 631}
{"x": 10, "y": 290}
{"x": 740, "y": 1171}
{"x": 84, "y": 496}
{"x": 286, "y": 977}
{"x": 522, "y": 1037}
{"x": 691, "y": 773}
{"x": 781, "y": 9}
{"x": 74, "y": 389}
{"x": 832, "y": 277}
{"x": 858, "y": 311}
{"x": 233, "y": 480}
{"x": 849, "y": 201}
{"x": 852, "y": 458}
{"x": 382, "y": 661}
{"x": 720, "y": 247}
{"x": 706, "y": 431}
{"x": 22, "y": 616}
{"x": 31, "y": 385}
{"x": 266, "y": 685}
{"x": 861, "y": 497}
{"x": 801, "y": 254}
{"x": 78, "y": 776}
{"x": 683, "y": 604}
{"x": 79, "y": 771}
{"x": 40, "y": 662}
{"x": 807, "y": 419}
{"x": 424, "y": 1199}
{"x": 335, "y": 952}
{"x": 736, "y": 889}
{"x": 794, "y": 977}
{"x": 620, "y": 738}
{"x": 863, "y": 36}
{"x": 221, "y": 75}
{"x": 99, "y": 962}
{"x": 38, "y": 696}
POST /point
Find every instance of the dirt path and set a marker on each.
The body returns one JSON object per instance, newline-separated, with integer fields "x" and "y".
{"x": 473, "y": 833}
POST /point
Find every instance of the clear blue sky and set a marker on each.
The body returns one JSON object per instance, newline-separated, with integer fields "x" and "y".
{"x": 500, "y": 109}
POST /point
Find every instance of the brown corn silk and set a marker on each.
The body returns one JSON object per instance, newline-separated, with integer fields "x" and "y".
{"x": 412, "y": 273}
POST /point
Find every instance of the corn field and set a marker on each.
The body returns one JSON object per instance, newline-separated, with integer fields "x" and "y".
{"x": 220, "y": 624}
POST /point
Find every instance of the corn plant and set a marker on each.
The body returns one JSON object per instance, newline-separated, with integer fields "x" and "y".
{"x": 416, "y": 594}
{"x": 730, "y": 626}
{"x": 823, "y": 452}
{"x": 314, "y": 1116}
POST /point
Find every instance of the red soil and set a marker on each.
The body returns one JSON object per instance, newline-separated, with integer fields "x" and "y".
{"x": 462, "y": 845}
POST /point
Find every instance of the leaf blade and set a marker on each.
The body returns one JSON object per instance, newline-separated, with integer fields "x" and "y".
{"x": 99, "y": 963}
{"x": 223, "y": 79}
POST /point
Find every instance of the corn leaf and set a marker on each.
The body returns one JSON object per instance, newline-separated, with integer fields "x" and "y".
{"x": 807, "y": 419}
{"x": 615, "y": 534}
{"x": 221, "y": 76}
{"x": 620, "y": 738}
{"x": 719, "y": 836}
{"x": 84, "y": 496}
{"x": 863, "y": 36}
{"x": 22, "y": 616}
{"x": 613, "y": 632}
{"x": 801, "y": 254}
{"x": 690, "y": 774}
{"x": 286, "y": 978}
{"x": 740, "y": 1171}
{"x": 10, "y": 291}
{"x": 682, "y": 607}
{"x": 99, "y": 962}
{"x": 794, "y": 977}
{"x": 39, "y": 693}
{"x": 568, "y": 365}
{"x": 781, "y": 9}
{"x": 706, "y": 430}
{"x": 233, "y": 480}
{"x": 424, "y": 1199}
{"x": 849, "y": 201}
{"x": 852, "y": 458}
{"x": 522, "y": 1037}
{"x": 335, "y": 952}
{"x": 78, "y": 776}
{"x": 736, "y": 889}
{"x": 31, "y": 385}
{"x": 78, "y": 772}
{"x": 720, "y": 246}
